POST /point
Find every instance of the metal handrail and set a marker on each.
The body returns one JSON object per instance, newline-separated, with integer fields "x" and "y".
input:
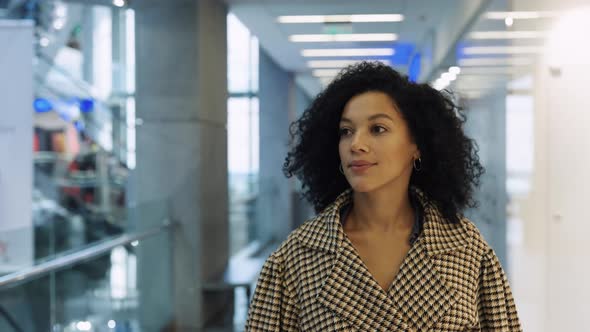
{"x": 78, "y": 256}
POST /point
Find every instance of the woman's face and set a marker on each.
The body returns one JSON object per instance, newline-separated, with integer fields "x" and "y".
{"x": 376, "y": 148}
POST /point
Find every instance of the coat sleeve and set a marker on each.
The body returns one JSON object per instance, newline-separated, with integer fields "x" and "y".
{"x": 273, "y": 307}
{"x": 496, "y": 308}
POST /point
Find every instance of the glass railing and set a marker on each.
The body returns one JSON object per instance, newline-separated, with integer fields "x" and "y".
{"x": 91, "y": 288}
{"x": 243, "y": 194}
{"x": 71, "y": 273}
{"x": 73, "y": 207}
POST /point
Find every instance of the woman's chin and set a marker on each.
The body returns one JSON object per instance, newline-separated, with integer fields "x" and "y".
{"x": 362, "y": 186}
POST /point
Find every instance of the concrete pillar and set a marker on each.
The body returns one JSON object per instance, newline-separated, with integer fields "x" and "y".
{"x": 277, "y": 110}
{"x": 486, "y": 123}
{"x": 181, "y": 156}
{"x": 302, "y": 209}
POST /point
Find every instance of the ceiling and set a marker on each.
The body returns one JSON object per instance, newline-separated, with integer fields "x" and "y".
{"x": 443, "y": 25}
{"x": 420, "y": 16}
{"x": 260, "y": 17}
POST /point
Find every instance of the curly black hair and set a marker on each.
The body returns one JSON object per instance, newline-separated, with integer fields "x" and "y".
{"x": 450, "y": 165}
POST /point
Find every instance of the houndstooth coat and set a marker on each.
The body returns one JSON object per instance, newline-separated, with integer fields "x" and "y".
{"x": 450, "y": 280}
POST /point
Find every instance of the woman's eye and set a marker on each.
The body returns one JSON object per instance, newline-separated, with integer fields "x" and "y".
{"x": 378, "y": 129}
{"x": 344, "y": 131}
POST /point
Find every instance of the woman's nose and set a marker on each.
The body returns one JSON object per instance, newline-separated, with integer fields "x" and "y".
{"x": 358, "y": 143}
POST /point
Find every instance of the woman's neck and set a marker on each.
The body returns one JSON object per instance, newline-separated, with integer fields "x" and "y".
{"x": 385, "y": 210}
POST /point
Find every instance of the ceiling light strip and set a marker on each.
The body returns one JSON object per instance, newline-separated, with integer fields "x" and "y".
{"x": 325, "y": 72}
{"x": 337, "y": 63}
{"x": 352, "y": 37}
{"x": 507, "y": 35}
{"x": 472, "y": 62}
{"x": 520, "y": 15}
{"x": 477, "y": 50}
{"x": 354, "y": 18}
{"x": 475, "y": 71}
{"x": 342, "y": 52}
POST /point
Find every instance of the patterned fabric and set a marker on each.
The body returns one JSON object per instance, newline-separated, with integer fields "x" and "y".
{"x": 450, "y": 280}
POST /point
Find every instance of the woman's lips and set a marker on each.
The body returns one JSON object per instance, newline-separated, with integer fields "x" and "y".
{"x": 360, "y": 168}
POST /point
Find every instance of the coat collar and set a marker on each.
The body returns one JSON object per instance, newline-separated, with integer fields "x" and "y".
{"x": 325, "y": 232}
{"x": 418, "y": 296}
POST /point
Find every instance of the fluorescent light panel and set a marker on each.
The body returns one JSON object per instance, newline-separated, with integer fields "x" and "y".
{"x": 341, "y": 52}
{"x": 440, "y": 84}
{"x": 476, "y": 71}
{"x": 519, "y": 15}
{"x": 473, "y": 88}
{"x": 495, "y": 62}
{"x": 351, "y": 37}
{"x": 325, "y": 80}
{"x": 501, "y": 50}
{"x": 448, "y": 77}
{"x": 455, "y": 70}
{"x": 473, "y": 94}
{"x": 506, "y": 35}
{"x": 325, "y": 72}
{"x": 341, "y": 18}
{"x": 336, "y": 63}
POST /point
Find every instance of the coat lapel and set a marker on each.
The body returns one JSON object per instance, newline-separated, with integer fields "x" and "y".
{"x": 351, "y": 292}
{"x": 348, "y": 291}
{"x": 421, "y": 292}
{"x": 419, "y": 296}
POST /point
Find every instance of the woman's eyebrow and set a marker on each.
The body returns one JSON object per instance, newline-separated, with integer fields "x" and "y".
{"x": 372, "y": 117}
{"x": 380, "y": 115}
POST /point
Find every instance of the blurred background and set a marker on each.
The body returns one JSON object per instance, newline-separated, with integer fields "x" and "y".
{"x": 141, "y": 146}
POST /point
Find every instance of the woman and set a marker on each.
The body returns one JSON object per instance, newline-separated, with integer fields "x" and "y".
{"x": 388, "y": 168}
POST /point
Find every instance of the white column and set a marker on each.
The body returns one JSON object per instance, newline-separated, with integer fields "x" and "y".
{"x": 16, "y": 145}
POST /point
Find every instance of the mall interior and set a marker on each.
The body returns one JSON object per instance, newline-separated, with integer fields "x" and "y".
{"x": 142, "y": 145}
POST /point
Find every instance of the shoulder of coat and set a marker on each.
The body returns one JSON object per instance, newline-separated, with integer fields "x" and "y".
{"x": 478, "y": 241}
{"x": 295, "y": 240}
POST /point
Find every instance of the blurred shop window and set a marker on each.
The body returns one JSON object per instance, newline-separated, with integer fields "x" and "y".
{"x": 243, "y": 133}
